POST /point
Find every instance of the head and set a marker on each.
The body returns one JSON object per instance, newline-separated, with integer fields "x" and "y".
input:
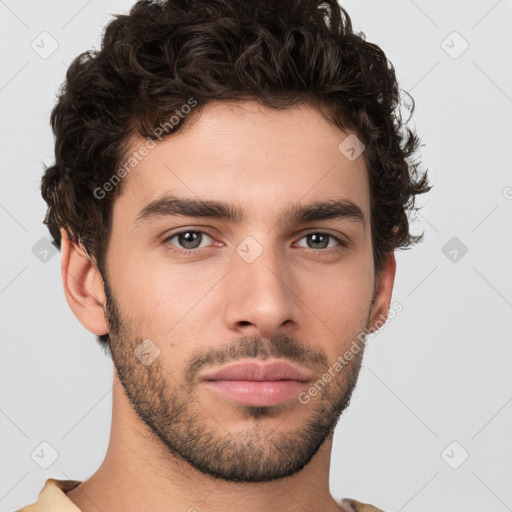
{"x": 231, "y": 181}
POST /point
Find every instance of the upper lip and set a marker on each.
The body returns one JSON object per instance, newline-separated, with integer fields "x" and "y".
{"x": 259, "y": 371}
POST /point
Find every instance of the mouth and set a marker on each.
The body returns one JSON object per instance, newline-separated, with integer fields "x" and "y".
{"x": 258, "y": 383}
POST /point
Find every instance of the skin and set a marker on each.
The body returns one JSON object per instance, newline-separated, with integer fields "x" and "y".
{"x": 174, "y": 443}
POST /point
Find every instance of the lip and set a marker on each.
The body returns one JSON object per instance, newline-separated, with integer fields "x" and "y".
{"x": 259, "y": 384}
{"x": 259, "y": 371}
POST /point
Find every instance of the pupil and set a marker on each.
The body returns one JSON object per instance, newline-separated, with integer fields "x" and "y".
{"x": 188, "y": 238}
{"x": 315, "y": 237}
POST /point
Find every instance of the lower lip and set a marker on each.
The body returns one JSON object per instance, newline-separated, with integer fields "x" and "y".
{"x": 260, "y": 393}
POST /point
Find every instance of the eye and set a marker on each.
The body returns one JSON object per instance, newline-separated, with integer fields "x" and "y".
{"x": 188, "y": 240}
{"x": 321, "y": 240}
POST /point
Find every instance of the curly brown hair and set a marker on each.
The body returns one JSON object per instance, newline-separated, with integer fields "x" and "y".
{"x": 280, "y": 53}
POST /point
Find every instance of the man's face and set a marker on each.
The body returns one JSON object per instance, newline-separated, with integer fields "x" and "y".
{"x": 262, "y": 286}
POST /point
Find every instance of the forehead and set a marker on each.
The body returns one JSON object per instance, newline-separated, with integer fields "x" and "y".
{"x": 250, "y": 155}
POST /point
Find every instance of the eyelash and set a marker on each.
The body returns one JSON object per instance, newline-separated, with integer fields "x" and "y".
{"x": 173, "y": 248}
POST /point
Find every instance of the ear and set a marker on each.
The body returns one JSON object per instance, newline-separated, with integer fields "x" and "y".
{"x": 383, "y": 292}
{"x": 83, "y": 286}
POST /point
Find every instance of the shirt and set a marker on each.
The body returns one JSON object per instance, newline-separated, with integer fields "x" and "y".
{"x": 52, "y": 498}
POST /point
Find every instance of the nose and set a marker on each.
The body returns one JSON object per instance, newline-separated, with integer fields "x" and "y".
{"x": 261, "y": 296}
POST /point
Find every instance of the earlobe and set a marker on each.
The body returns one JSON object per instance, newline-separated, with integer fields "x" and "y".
{"x": 83, "y": 286}
{"x": 383, "y": 293}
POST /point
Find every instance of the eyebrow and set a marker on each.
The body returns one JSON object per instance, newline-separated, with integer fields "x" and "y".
{"x": 169, "y": 205}
{"x": 324, "y": 210}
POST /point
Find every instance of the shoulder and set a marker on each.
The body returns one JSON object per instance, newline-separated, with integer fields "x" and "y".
{"x": 30, "y": 508}
{"x": 52, "y": 497}
{"x": 349, "y": 505}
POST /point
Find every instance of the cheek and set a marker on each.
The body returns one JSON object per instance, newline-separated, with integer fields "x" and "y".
{"x": 341, "y": 300}
{"x": 161, "y": 298}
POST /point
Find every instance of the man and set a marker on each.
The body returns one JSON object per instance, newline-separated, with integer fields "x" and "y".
{"x": 230, "y": 183}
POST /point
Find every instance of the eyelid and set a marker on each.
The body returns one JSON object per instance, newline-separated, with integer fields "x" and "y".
{"x": 177, "y": 249}
{"x": 184, "y": 229}
{"x": 342, "y": 240}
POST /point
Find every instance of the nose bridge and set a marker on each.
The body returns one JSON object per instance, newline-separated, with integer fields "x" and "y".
{"x": 259, "y": 290}
{"x": 265, "y": 274}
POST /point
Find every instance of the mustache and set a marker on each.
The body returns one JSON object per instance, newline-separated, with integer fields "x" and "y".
{"x": 281, "y": 346}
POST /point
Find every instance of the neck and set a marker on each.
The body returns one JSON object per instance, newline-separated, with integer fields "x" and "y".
{"x": 139, "y": 473}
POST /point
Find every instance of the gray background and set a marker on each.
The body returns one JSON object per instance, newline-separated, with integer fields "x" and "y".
{"x": 436, "y": 382}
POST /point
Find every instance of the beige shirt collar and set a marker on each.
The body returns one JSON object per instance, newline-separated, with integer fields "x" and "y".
{"x": 52, "y": 498}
